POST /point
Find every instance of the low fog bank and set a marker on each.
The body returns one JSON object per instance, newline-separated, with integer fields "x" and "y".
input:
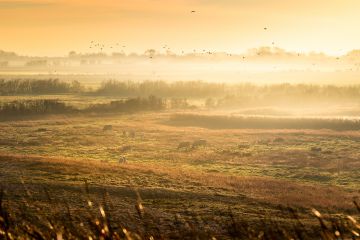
{"x": 259, "y": 65}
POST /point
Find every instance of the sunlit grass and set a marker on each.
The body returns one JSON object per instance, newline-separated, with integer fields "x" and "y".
{"x": 231, "y": 152}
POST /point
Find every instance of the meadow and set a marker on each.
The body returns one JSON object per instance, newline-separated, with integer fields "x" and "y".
{"x": 176, "y": 171}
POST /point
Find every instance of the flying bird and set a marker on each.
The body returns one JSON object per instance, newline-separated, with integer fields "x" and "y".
{"x": 193, "y": 11}
{"x": 265, "y": 28}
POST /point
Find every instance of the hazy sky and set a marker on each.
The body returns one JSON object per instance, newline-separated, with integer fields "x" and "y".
{"x": 54, "y": 27}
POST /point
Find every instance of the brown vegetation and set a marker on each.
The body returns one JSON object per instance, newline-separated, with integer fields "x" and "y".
{"x": 95, "y": 212}
{"x": 227, "y": 122}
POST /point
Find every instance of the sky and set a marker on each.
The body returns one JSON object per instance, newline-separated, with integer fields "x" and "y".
{"x": 55, "y": 27}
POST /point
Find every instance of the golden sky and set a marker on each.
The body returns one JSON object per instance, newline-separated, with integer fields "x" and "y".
{"x": 54, "y": 27}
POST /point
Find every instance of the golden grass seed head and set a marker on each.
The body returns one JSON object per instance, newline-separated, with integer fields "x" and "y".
{"x": 316, "y": 213}
{"x": 102, "y": 212}
{"x": 355, "y": 233}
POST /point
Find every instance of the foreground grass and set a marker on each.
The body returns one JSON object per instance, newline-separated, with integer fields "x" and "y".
{"x": 101, "y": 222}
{"x": 49, "y": 200}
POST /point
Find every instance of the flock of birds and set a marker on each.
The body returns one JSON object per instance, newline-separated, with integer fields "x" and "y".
{"x": 101, "y": 47}
{"x": 120, "y": 47}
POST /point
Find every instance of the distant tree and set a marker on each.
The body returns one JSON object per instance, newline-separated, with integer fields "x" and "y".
{"x": 72, "y": 54}
{"x": 150, "y": 53}
{"x": 7, "y": 54}
{"x": 76, "y": 87}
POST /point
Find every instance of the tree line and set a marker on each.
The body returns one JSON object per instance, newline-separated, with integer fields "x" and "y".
{"x": 39, "y": 86}
{"x": 218, "y": 94}
{"x": 53, "y": 106}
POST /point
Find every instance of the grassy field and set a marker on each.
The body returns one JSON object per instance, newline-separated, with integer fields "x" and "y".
{"x": 253, "y": 173}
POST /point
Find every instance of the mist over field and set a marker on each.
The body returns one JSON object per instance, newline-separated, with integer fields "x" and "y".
{"x": 179, "y": 119}
{"x": 263, "y": 65}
